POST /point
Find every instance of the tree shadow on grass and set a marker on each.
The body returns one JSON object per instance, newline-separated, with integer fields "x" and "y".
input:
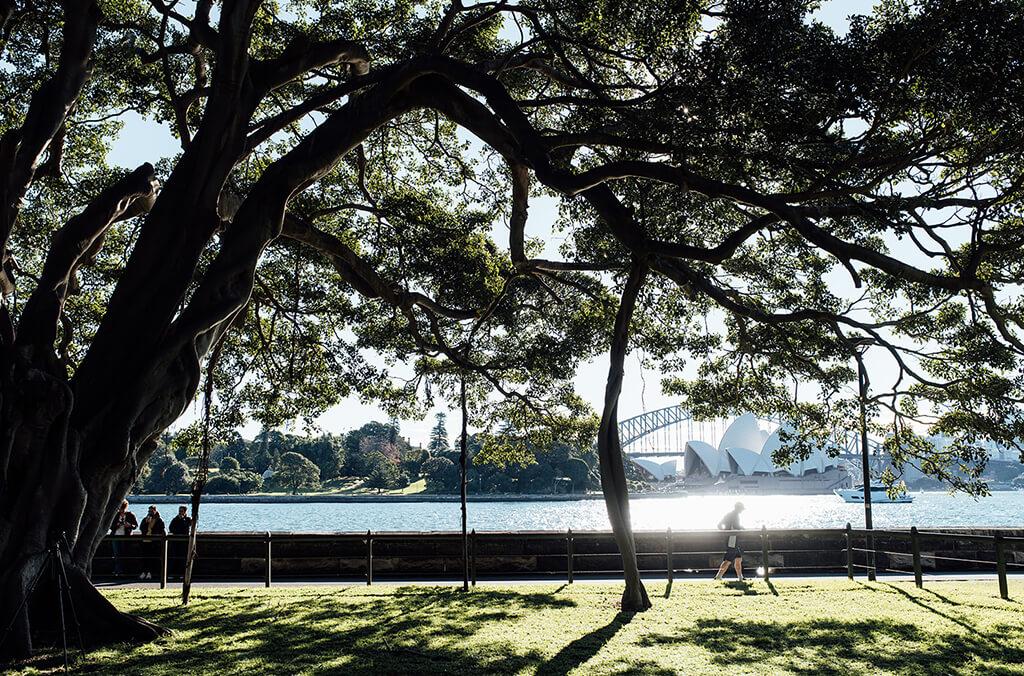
{"x": 930, "y": 608}
{"x": 944, "y": 599}
{"x": 409, "y": 630}
{"x": 584, "y": 648}
{"x": 836, "y": 646}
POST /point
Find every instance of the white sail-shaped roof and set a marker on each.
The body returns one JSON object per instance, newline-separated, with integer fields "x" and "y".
{"x": 773, "y": 442}
{"x": 659, "y": 470}
{"x": 817, "y": 461}
{"x": 746, "y": 460}
{"x": 764, "y": 464}
{"x": 699, "y": 453}
{"x": 742, "y": 433}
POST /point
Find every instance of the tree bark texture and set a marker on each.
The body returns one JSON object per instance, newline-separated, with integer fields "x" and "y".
{"x": 609, "y": 449}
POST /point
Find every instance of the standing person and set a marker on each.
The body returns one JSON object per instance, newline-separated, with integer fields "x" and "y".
{"x": 180, "y": 525}
{"x": 151, "y": 525}
{"x": 123, "y": 524}
{"x": 733, "y": 553}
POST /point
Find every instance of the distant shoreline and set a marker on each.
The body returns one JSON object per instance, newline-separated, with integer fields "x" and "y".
{"x": 416, "y": 497}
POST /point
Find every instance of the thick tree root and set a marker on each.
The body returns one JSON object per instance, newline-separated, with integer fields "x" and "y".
{"x": 87, "y": 614}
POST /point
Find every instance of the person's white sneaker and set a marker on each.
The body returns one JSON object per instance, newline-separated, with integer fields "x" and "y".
{"x": 149, "y": 576}
{"x": 142, "y": 576}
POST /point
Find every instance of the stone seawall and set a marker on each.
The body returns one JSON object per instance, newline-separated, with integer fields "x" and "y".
{"x": 344, "y": 556}
{"x": 369, "y": 497}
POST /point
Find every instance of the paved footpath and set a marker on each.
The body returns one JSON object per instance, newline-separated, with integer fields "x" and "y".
{"x": 532, "y": 580}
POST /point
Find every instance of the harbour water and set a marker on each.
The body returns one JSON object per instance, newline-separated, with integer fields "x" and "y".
{"x": 929, "y": 510}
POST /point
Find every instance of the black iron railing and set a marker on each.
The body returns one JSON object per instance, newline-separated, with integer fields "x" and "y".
{"x": 369, "y": 555}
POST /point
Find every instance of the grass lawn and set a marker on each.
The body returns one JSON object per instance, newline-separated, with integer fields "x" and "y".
{"x": 831, "y": 626}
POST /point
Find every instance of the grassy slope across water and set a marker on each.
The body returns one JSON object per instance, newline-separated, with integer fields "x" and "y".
{"x": 830, "y": 626}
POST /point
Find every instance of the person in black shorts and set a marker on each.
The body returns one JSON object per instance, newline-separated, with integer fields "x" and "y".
{"x": 733, "y": 553}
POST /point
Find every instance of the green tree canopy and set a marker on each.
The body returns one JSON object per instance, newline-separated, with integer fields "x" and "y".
{"x": 296, "y": 473}
{"x": 384, "y": 473}
{"x": 743, "y": 193}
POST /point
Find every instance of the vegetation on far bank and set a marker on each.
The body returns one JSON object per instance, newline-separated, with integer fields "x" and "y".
{"x": 828, "y": 626}
{"x": 374, "y": 458}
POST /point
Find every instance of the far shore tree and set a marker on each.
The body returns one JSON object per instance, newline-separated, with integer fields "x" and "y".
{"x": 745, "y": 196}
{"x": 295, "y": 473}
{"x": 438, "y": 444}
{"x": 383, "y": 472}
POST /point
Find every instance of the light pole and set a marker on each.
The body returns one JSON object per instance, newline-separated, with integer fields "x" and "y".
{"x": 859, "y": 348}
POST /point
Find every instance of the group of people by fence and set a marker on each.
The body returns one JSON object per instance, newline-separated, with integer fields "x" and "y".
{"x": 152, "y": 525}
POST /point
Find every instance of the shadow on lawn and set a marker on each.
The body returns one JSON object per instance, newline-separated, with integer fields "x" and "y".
{"x": 412, "y": 630}
{"x": 583, "y": 648}
{"x": 828, "y": 646}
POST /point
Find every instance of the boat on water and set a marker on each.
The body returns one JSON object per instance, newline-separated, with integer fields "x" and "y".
{"x": 879, "y": 495}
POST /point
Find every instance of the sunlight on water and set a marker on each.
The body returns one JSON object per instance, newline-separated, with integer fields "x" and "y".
{"x": 678, "y": 513}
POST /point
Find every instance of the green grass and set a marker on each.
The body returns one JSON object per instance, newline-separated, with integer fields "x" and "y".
{"x": 831, "y": 626}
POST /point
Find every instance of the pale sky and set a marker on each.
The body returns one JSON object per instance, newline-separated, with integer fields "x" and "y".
{"x": 143, "y": 140}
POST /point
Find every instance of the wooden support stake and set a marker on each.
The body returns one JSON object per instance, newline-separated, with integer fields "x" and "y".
{"x": 764, "y": 551}
{"x": 1004, "y": 591}
{"x": 266, "y": 572}
{"x": 915, "y": 550}
{"x": 569, "y": 553}
{"x": 669, "y": 547}
{"x": 849, "y": 551}
{"x": 163, "y": 567}
{"x": 472, "y": 554}
{"x": 369, "y": 558}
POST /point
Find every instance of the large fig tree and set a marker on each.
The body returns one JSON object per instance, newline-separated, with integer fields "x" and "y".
{"x": 354, "y": 178}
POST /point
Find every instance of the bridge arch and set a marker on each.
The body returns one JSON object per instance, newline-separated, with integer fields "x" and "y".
{"x": 633, "y": 430}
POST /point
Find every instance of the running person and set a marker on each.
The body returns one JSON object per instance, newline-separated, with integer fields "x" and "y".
{"x": 733, "y": 553}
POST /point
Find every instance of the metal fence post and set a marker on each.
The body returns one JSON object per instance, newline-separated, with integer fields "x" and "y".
{"x": 849, "y": 551}
{"x": 266, "y": 571}
{"x": 1004, "y": 591}
{"x": 369, "y": 558}
{"x": 570, "y": 546}
{"x": 764, "y": 551}
{"x": 472, "y": 557}
{"x": 163, "y": 566}
{"x": 669, "y": 547}
{"x": 915, "y": 549}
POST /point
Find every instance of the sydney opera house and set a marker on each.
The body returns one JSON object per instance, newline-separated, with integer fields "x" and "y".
{"x": 742, "y": 463}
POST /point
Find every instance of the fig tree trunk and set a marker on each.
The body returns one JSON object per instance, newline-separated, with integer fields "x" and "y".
{"x": 44, "y": 496}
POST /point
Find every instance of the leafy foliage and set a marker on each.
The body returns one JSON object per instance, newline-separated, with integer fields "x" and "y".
{"x": 295, "y": 473}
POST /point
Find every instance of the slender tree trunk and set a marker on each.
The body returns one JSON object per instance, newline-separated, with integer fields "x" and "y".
{"x": 199, "y": 483}
{"x": 463, "y": 459}
{"x": 609, "y": 450}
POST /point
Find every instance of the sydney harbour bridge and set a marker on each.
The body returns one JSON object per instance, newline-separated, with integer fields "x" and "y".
{"x": 665, "y": 431}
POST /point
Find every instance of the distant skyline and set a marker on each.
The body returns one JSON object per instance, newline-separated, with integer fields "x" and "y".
{"x": 143, "y": 140}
